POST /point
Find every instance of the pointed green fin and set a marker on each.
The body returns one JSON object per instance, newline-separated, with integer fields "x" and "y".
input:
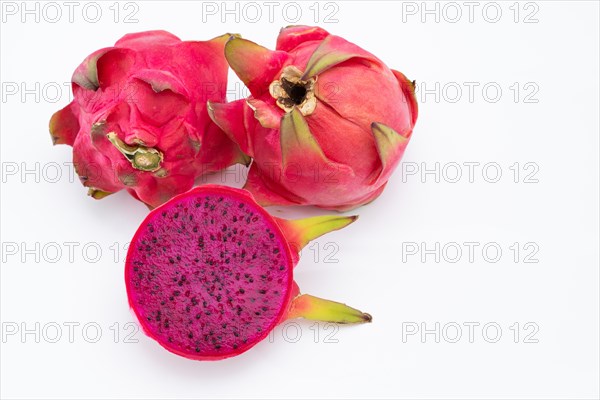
{"x": 332, "y": 51}
{"x": 301, "y": 231}
{"x": 317, "y": 309}
{"x": 97, "y": 193}
{"x": 388, "y": 143}
{"x": 254, "y": 64}
{"x": 297, "y": 142}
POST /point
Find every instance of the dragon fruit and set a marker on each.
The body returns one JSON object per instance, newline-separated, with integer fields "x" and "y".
{"x": 209, "y": 273}
{"x": 139, "y": 121}
{"x": 326, "y": 122}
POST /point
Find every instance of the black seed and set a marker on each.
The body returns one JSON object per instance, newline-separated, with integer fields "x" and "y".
{"x": 218, "y": 346}
{"x": 190, "y": 335}
{"x": 176, "y": 215}
{"x": 262, "y": 291}
{"x": 171, "y": 260}
{"x": 275, "y": 251}
{"x": 271, "y": 235}
{"x": 235, "y": 346}
{"x": 197, "y": 348}
{"x": 241, "y": 205}
{"x": 242, "y": 291}
{"x": 176, "y": 293}
{"x": 198, "y": 316}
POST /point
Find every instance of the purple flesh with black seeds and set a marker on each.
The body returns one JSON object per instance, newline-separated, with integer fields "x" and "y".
{"x": 209, "y": 274}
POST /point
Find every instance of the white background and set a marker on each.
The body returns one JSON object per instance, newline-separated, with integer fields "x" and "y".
{"x": 555, "y": 209}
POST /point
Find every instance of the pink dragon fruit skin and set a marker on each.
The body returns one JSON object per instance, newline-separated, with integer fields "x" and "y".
{"x": 326, "y": 123}
{"x": 139, "y": 120}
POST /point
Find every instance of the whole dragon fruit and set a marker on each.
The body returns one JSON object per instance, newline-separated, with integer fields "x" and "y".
{"x": 326, "y": 122}
{"x": 139, "y": 121}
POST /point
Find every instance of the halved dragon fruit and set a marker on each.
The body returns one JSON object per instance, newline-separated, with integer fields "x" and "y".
{"x": 210, "y": 273}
